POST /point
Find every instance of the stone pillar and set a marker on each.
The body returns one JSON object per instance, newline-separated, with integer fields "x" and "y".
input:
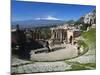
{"x": 56, "y": 34}
{"x": 61, "y": 36}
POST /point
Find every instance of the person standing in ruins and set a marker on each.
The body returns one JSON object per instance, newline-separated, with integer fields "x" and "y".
{"x": 47, "y": 45}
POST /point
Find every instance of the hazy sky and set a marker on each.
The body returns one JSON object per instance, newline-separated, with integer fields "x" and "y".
{"x": 35, "y": 10}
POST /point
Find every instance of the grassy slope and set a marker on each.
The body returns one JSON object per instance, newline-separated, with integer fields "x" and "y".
{"x": 78, "y": 66}
{"x": 90, "y": 39}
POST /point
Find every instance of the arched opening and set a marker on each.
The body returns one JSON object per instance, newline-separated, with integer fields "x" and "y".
{"x": 70, "y": 39}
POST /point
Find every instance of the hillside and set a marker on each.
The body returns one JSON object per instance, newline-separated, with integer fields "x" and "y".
{"x": 87, "y": 18}
{"x": 90, "y": 39}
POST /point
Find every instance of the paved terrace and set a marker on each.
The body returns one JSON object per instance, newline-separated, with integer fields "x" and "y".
{"x": 66, "y": 51}
{"x": 23, "y": 66}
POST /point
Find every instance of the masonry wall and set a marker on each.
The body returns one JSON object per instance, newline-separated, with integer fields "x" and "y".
{"x": 69, "y": 33}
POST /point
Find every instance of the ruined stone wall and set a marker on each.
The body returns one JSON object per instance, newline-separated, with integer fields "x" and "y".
{"x": 69, "y": 33}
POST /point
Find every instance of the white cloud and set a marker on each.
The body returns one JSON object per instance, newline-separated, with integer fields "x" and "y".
{"x": 48, "y": 18}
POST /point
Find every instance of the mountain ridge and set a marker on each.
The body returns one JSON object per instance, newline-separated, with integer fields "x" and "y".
{"x": 35, "y": 23}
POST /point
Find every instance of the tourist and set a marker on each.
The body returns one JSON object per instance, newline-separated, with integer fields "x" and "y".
{"x": 78, "y": 48}
{"x": 47, "y": 45}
